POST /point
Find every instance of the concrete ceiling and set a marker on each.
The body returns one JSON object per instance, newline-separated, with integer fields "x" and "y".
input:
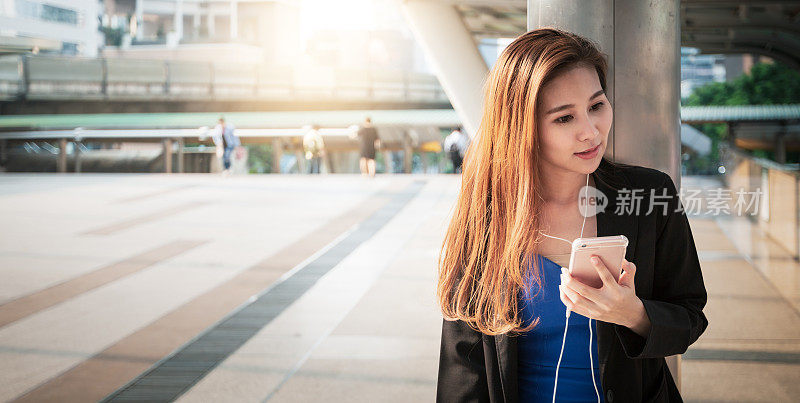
{"x": 763, "y": 27}
{"x": 768, "y": 28}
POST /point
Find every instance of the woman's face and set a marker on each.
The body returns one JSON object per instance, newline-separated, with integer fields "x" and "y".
{"x": 574, "y": 116}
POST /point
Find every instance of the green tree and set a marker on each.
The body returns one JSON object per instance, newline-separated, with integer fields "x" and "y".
{"x": 113, "y": 35}
{"x": 765, "y": 84}
{"x": 259, "y": 158}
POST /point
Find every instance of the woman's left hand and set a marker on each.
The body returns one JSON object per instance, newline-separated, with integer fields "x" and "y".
{"x": 614, "y": 302}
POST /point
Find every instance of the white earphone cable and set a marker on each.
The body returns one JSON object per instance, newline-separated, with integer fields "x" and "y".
{"x": 591, "y": 362}
{"x": 563, "y": 339}
{"x": 566, "y": 323}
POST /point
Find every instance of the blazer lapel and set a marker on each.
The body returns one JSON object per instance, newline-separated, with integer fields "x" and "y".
{"x": 610, "y": 222}
{"x": 507, "y": 364}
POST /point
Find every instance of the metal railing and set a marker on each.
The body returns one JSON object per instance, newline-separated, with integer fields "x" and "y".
{"x": 37, "y": 77}
{"x": 779, "y": 184}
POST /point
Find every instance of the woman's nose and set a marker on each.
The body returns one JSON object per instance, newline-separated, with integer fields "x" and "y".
{"x": 588, "y": 130}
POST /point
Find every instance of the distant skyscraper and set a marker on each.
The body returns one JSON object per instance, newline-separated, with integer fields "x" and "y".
{"x": 698, "y": 70}
{"x": 39, "y": 25}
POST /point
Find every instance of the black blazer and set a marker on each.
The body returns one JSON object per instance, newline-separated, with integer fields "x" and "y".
{"x": 478, "y": 367}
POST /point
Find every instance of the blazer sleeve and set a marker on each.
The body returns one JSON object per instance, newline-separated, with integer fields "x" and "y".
{"x": 462, "y": 369}
{"x": 679, "y": 294}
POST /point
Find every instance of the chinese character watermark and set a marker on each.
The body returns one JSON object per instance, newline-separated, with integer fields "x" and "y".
{"x": 690, "y": 201}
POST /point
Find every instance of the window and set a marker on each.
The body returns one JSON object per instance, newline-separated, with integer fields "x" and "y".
{"x": 46, "y": 12}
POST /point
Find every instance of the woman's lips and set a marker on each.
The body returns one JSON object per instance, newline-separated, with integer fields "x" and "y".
{"x": 589, "y": 154}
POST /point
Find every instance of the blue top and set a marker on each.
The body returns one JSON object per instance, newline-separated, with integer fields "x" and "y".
{"x": 226, "y": 136}
{"x": 539, "y": 348}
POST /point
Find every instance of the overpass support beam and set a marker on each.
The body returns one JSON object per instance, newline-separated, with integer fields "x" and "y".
{"x": 138, "y": 11}
{"x": 780, "y": 144}
{"x": 327, "y": 161}
{"x": 408, "y": 154}
{"x": 3, "y": 153}
{"x": 61, "y": 165}
{"x": 180, "y": 155}
{"x": 277, "y": 153}
{"x": 449, "y": 47}
{"x": 642, "y": 42}
{"x": 301, "y": 159}
{"x": 77, "y": 145}
{"x": 234, "y": 20}
{"x": 388, "y": 159}
{"x": 177, "y": 22}
{"x": 211, "y": 19}
{"x": 167, "y": 155}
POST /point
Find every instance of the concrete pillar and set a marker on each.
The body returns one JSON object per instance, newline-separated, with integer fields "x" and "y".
{"x": 277, "y": 153}
{"x": 77, "y": 157}
{"x": 388, "y": 161}
{"x": 211, "y": 20}
{"x": 167, "y": 155}
{"x": 408, "y": 155}
{"x": 642, "y": 42}
{"x": 780, "y": 144}
{"x": 3, "y": 152}
{"x": 139, "y": 12}
{"x": 180, "y": 155}
{"x": 196, "y": 25}
{"x": 438, "y": 28}
{"x": 301, "y": 159}
{"x": 177, "y": 21}
{"x": 91, "y": 40}
{"x": 61, "y": 164}
{"x": 234, "y": 19}
{"x": 110, "y": 7}
{"x": 327, "y": 162}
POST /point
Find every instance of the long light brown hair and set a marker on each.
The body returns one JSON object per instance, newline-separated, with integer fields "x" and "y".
{"x": 495, "y": 226}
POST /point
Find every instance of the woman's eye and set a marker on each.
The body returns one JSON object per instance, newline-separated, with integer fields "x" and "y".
{"x": 564, "y": 119}
{"x": 567, "y": 118}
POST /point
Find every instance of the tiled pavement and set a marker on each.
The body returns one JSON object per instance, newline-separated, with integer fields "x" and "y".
{"x": 289, "y": 288}
{"x": 750, "y": 351}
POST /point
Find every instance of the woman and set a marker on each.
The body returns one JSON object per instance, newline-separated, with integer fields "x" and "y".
{"x": 369, "y": 140}
{"x": 501, "y": 288}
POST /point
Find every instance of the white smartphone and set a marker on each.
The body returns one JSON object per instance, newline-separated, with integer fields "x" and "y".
{"x": 610, "y": 249}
